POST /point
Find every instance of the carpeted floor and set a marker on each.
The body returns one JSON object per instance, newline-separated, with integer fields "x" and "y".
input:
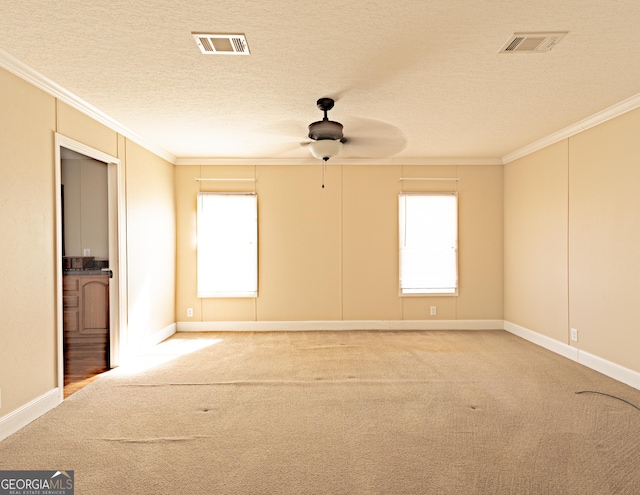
{"x": 342, "y": 413}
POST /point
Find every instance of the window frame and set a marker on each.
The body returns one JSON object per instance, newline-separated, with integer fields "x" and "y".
{"x": 401, "y": 231}
{"x": 201, "y": 288}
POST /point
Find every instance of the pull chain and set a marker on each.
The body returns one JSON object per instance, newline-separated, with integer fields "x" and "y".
{"x": 324, "y": 167}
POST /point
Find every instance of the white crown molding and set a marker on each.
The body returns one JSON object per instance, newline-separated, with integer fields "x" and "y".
{"x": 592, "y": 121}
{"x": 337, "y": 161}
{"x": 24, "y": 71}
{"x": 204, "y": 161}
{"x": 27, "y": 73}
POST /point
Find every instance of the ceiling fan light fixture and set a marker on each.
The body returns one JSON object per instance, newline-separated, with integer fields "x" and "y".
{"x": 323, "y": 149}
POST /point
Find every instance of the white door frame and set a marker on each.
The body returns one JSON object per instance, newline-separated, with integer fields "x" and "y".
{"x": 117, "y": 253}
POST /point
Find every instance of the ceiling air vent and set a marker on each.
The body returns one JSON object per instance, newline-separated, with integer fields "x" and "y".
{"x": 221, "y": 44}
{"x": 532, "y": 42}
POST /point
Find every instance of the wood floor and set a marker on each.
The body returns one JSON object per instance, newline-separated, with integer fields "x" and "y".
{"x": 76, "y": 384}
{"x": 81, "y": 370}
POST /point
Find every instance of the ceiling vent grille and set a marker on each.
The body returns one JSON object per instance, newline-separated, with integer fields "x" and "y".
{"x": 221, "y": 44}
{"x": 532, "y": 42}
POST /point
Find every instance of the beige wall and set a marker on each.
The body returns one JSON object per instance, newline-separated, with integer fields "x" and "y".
{"x": 187, "y": 189}
{"x": 299, "y": 244}
{"x": 604, "y": 239}
{"x": 332, "y": 253}
{"x": 72, "y": 123}
{"x": 27, "y": 250}
{"x": 151, "y": 244}
{"x": 480, "y": 196}
{"x": 28, "y": 342}
{"x": 572, "y": 212}
{"x": 370, "y": 243}
{"x": 536, "y": 229}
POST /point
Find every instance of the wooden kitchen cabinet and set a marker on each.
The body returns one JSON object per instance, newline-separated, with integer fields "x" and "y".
{"x": 86, "y": 323}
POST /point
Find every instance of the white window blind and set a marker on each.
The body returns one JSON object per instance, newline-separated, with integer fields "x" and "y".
{"x": 227, "y": 245}
{"x": 428, "y": 243}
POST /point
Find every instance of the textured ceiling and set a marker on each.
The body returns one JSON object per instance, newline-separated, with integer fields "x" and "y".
{"x": 424, "y": 75}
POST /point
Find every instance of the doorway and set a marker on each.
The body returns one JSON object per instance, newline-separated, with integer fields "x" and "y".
{"x": 90, "y": 260}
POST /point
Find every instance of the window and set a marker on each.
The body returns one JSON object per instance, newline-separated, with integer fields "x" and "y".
{"x": 428, "y": 243}
{"x": 227, "y": 245}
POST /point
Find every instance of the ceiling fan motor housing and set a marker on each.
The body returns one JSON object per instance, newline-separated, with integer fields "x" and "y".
{"x": 325, "y": 129}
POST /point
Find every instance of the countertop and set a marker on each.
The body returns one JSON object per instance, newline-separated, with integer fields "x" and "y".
{"x": 85, "y": 272}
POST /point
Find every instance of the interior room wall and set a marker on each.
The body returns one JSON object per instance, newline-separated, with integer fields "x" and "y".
{"x": 480, "y": 196}
{"x": 299, "y": 243}
{"x": 571, "y": 236}
{"x": 86, "y": 204}
{"x": 535, "y": 253}
{"x": 72, "y": 123}
{"x": 28, "y": 342}
{"x": 604, "y": 239}
{"x": 480, "y": 241}
{"x": 27, "y": 250}
{"x": 151, "y": 246}
{"x": 332, "y": 253}
{"x": 370, "y": 243}
{"x": 150, "y": 223}
{"x": 186, "y": 191}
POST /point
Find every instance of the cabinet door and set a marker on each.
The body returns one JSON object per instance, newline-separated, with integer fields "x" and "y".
{"x": 94, "y": 305}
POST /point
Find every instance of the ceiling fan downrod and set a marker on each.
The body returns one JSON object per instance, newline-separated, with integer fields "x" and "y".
{"x": 325, "y": 104}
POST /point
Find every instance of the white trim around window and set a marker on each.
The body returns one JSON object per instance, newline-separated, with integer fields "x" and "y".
{"x": 428, "y": 238}
{"x": 227, "y": 245}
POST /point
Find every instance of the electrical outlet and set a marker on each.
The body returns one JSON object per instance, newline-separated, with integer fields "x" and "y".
{"x": 86, "y": 252}
{"x": 0, "y": 398}
{"x": 189, "y": 312}
{"x": 433, "y": 310}
{"x": 574, "y": 334}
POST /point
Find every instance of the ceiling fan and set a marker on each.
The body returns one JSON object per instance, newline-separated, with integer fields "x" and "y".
{"x": 326, "y": 135}
{"x": 368, "y": 138}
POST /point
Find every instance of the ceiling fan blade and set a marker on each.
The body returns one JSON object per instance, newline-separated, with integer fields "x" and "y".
{"x": 282, "y": 138}
{"x": 370, "y": 138}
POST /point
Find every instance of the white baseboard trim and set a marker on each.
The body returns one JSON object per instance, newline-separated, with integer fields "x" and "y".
{"x": 293, "y": 326}
{"x": 148, "y": 341}
{"x": 138, "y": 347}
{"x": 31, "y": 411}
{"x": 163, "y": 334}
{"x": 542, "y": 340}
{"x": 612, "y": 370}
{"x": 24, "y": 415}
